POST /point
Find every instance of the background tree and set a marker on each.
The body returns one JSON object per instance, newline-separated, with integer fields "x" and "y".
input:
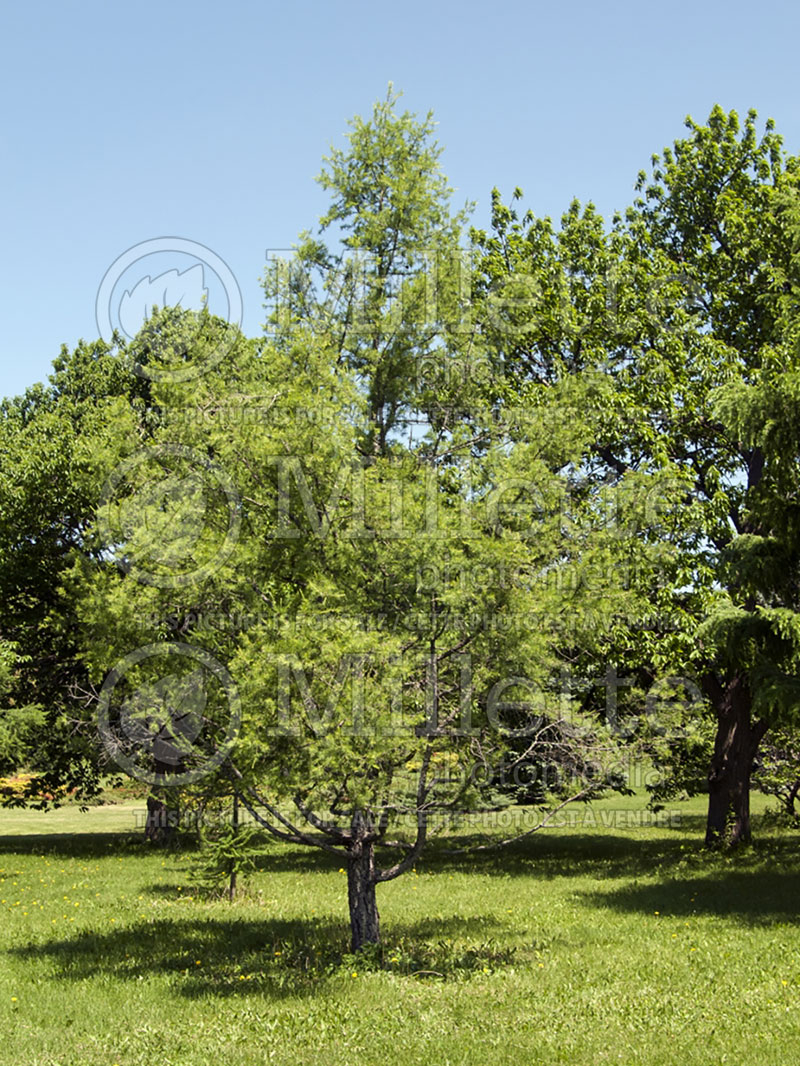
{"x": 721, "y": 208}
{"x": 690, "y": 290}
{"x": 777, "y": 770}
{"x": 53, "y": 443}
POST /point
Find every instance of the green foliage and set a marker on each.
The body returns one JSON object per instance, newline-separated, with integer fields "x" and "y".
{"x": 389, "y": 193}
{"x": 777, "y": 771}
{"x": 405, "y": 623}
{"x": 441, "y": 484}
{"x": 389, "y": 301}
{"x": 56, "y": 442}
{"x": 684, "y": 310}
{"x": 227, "y": 854}
{"x": 19, "y": 726}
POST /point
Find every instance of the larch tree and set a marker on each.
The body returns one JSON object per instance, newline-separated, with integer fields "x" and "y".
{"x": 318, "y": 584}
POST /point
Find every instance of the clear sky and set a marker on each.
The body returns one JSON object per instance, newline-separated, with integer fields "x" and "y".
{"x": 125, "y": 123}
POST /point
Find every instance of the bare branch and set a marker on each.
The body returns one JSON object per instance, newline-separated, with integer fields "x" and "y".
{"x": 521, "y": 836}
{"x": 294, "y": 835}
{"x": 330, "y": 830}
{"x": 422, "y": 825}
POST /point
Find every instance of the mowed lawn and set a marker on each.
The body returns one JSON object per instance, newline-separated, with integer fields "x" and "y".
{"x": 601, "y": 941}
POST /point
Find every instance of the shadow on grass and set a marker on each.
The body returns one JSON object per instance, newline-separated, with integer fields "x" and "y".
{"x": 543, "y": 855}
{"x": 279, "y": 957}
{"x": 556, "y": 854}
{"x": 73, "y": 845}
{"x": 553, "y": 853}
{"x": 757, "y": 896}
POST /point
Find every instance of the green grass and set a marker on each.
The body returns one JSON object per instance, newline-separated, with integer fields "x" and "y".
{"x": 583, "y": 945}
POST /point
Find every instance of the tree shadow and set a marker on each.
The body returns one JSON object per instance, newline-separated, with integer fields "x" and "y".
{"x": 548, "y": 854}
{"x": 551, "y": 855}
{"x": 756, "y": 896}
{"x": 73, "y": 845}
{"x": 606, "y": 855}
{"x": 278, "y": 958}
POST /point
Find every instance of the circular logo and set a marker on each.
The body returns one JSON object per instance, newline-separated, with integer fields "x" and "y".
{"x": 169, "y": 516}
{"x": 169, "y": 714}
{"x": 172, "y": 272}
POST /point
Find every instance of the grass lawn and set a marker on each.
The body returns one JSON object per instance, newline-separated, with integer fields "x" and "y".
{"x": 598, "y": 942}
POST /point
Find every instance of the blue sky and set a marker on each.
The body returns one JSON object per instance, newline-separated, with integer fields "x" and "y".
{"x": 128, "y": 123}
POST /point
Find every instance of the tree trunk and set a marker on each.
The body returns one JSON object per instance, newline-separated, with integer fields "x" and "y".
{"x": 235, "y": 829}
{"x": 163, "y": 819}
{"x": 735, "y": 748}
{"x": 364, "y": 921}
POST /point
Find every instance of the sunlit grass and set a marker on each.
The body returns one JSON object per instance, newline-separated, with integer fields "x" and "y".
{"x": 583, "y": 945}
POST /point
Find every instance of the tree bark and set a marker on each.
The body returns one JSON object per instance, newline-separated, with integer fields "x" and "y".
{"x": 361, "y": 882}
{"x": 235, "y": 828}
{"x": 735, "y": 747}
{"x": 163, "y": 820}
{"x": 793, "y": 791}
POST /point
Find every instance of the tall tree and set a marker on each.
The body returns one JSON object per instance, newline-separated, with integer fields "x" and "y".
{"x": 691, "y": 290}
{"x": 376, "y": 600}
{"x": 720, "y": 211}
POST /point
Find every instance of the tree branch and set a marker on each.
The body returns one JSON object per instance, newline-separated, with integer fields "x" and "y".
{"x": 521, "y": 836}
{"x": 422, "y": 826}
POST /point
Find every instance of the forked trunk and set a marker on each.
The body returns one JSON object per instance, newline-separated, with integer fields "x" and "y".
{"x": 364, "y": 921}
{"x": 735, "y": 748}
